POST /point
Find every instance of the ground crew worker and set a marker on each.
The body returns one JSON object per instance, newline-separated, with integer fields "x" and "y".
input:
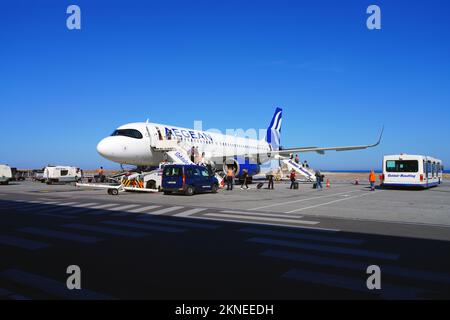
{"x": 244, "y": 181}
{"x": 193, "y": 154}
{"x": 230, "y": 178}
{"x": 372, "y": 180}
{"x": 101, "y": 174}
{"x": 292, "y": 178}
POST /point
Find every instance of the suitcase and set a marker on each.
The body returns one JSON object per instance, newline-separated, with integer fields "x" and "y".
{"x": 259, "y": 185}
{"x": 295, "y": 185}
{"x": 315, "y": 185}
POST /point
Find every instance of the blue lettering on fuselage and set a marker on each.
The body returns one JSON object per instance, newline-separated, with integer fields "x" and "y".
{"x": 180, "y": 133}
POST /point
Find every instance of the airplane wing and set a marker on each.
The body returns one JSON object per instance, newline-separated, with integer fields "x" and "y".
{"x": 288, "y": 151}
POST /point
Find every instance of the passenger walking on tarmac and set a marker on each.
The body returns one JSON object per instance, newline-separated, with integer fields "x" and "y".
{"x": 319, "y": 179}
{"x": 230, "y": 178}
{"x": 297, "y": 159}
{"x": 372, "y": 180}
{"x": 244, "y": 179}
{"x": 292, "y": 178}
{"x": 192, "y": 154}
{"x": 270, "y": 178}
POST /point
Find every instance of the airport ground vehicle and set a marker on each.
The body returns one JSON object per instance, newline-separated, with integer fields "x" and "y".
{"x": 61, "y": 174}
{"x": 406, "y": 170}
{"x": 5, "y": 174}
{"x": 188, "y": 179}
{"x": 141, "y": 182}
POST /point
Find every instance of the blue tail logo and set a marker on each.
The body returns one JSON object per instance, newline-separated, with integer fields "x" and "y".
{"x": 274, "y": 130}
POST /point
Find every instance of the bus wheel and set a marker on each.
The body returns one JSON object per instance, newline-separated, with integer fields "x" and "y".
{"x": 189, "y": 191}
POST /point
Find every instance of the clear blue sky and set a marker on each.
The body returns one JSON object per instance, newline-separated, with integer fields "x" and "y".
{"x": 178, "y": 61}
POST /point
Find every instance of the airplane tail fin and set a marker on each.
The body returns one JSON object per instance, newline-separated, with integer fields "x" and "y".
{"x": 274, "y": 130}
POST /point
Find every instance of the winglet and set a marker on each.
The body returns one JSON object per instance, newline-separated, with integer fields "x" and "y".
{"x": 379, "y": 139}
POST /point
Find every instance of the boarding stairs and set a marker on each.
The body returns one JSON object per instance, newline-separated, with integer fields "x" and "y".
{"x": 307, "y": 173}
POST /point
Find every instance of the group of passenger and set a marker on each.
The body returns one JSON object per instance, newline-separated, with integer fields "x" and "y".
{"x": 297, "y": 160}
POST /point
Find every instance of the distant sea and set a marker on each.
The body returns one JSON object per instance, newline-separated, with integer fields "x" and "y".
{"x": 362, "y": 171}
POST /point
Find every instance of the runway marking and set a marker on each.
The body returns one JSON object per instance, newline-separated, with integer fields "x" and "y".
{"x": 22, "y": 243}
{"x": 274, "y": 215}
{"x": 219, "y": 215}
{"x": 265, "y": 224}
{"x": 302, "y": 236}
{"x": 142, "y": 209}
{"x": 144, "y": 226}
{"x": 84, "y": 205}
{"x": 302, "y": 200}
{"x": 165, "y": 210}
{"x": 358, "y": 265}
{"x": 49, "y": 286}
{"x": 120, "y": 208}
{"x": 326, "y": 248}
{"x": 106, "y": 205}
{"x": 334, "y": 201}
{"x": 178, "y": 223}
{"x": 189, "y": 212}
{"x": 106, "y": 230}
{"x": 351, "y": 283}
{"x": 60, "y": 235}
{"x": 67, "y": 203}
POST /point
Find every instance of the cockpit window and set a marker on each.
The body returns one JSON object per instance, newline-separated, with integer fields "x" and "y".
{"x": 132, "y": 133}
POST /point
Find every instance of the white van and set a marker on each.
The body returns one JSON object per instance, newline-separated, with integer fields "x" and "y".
{"x": 55, "y": 174}
{"x": 406, "y": 170}
{"x": 5, "y": 174}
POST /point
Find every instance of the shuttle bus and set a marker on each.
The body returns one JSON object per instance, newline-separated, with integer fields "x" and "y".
{"x": 406, "y": 170}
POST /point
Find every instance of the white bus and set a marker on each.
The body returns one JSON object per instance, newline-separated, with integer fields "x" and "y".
{"x": 61, "y": 174}
{"x": 5, "y": 174}
{"x": 406, "y": 170}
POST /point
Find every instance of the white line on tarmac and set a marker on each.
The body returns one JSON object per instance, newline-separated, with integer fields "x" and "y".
{"x": 220, "y": 215}
{"x": 302, "y": 200}
{"x": 334, "y": 201}
{"x": 273, "y": 215}
{"x": 165, "y": 210}
{"x": 106, "y": 205}
{"x": 128, "y": 206}
{"x": 202, "y": 217}
{"x": 138, "y": 210}
{"x": 189, "y": 212}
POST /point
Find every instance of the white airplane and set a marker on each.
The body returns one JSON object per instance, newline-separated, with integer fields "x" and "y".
{"x": 149, "y": 144}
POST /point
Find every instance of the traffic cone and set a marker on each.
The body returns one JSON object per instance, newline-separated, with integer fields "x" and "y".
{"x": 328, "y": 183}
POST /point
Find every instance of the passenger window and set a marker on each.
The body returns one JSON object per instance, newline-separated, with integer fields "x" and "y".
{"x": 204, "y": 172}
{"x": 196, "y": 172}
{"x": 64, "y": 172}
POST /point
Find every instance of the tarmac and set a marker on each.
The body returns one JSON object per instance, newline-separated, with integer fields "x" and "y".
{"x": 252, "y": 244}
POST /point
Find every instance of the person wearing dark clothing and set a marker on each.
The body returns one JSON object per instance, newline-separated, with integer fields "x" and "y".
{"x": 192, "y": 154}
{"x": 244, "y": 179}
{"x": 319, "y": 179}
{"x": 270, "y": 178}
{"x": 292, "y": 178}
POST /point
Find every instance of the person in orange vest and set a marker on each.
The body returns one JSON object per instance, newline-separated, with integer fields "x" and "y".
{"x": 230, "y": 178}
{"x": 372, "y": 180}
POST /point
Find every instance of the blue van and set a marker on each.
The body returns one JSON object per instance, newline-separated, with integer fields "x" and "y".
{"x": 188, "y": 179}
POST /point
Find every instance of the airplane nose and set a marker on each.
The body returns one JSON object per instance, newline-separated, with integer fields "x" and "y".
{"x": 106, "y": 148}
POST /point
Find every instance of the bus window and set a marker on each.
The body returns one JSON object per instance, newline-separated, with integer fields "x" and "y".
{"x": 402, "y": 166}
{"x": 434, "y": 169}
